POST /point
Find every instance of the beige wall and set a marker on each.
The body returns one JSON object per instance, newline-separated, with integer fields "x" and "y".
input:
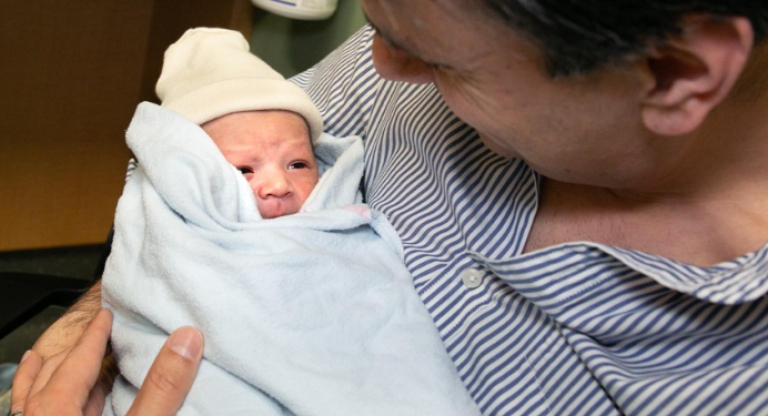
{"x": 71, "y": 74}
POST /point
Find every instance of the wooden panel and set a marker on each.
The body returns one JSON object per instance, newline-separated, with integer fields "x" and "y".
{"x": 70, "y": 81}
{"x": 173, "y": 17}
{"x": 71, "y": 75}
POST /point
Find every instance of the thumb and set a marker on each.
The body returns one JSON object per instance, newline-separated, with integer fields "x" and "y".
{"x": 171, "y": 375}
{"x": 28, "y": 370}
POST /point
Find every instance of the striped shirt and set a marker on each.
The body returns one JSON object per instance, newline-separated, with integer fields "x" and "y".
{"x": 573, "y": 329}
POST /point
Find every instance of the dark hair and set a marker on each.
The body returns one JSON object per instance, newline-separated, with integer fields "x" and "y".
{"x": 579, "y": 35}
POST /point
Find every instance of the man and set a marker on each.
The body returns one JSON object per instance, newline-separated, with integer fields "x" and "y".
{"x": 621, "y": 268}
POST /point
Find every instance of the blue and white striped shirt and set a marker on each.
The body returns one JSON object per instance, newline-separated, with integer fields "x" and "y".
{"x": 574, "y": 329}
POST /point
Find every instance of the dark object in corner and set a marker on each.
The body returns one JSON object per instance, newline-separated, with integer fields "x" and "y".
{"x": 24, "y": 295}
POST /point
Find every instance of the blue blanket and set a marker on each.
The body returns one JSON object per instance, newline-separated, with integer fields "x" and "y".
{"x": 308, "y": 314}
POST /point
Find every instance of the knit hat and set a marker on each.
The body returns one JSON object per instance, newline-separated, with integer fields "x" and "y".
{"x": 210, "y": 72}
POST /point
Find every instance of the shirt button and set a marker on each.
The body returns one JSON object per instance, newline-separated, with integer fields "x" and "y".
{"x": 472, "y": 278}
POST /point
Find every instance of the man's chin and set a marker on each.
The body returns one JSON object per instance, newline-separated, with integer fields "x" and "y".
{"x": 493, "y": 145}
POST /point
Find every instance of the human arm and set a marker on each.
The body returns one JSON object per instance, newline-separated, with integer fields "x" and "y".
{"x": 63, "y": 334}
{"x": 71, "y": 388}
{"x": 56, "y": 343}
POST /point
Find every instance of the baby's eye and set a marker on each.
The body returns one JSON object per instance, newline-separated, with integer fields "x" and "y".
{"x": 245, "y": 171}
{"x": 298, "y": 165}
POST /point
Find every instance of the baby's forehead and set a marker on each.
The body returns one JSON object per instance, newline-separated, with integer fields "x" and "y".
{"x": 256, "y": 114}
{"x": 260, "y": 126}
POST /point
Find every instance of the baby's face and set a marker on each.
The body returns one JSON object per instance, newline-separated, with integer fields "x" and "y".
{"x": 273, "y": 151}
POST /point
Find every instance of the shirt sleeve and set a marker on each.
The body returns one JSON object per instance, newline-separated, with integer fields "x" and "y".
{"x": 344, "y": 85}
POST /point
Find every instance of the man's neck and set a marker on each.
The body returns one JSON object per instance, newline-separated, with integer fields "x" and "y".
{"x": 710, "y": 208}
{"x": 696, "y": 231}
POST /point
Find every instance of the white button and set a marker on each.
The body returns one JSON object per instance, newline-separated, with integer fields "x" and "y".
{"x": 472, "y": 278}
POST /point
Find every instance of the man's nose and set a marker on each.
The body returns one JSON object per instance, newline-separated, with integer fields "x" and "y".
{"x": 396, "y": 65}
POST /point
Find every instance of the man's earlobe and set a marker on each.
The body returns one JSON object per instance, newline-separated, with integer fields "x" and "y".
{"x": 694, "y": 72}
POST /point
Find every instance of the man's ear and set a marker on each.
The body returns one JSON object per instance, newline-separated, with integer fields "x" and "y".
{"x": 694, "y": 72}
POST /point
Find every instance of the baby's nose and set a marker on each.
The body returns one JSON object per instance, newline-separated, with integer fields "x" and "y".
{"x": 274, "y": 185}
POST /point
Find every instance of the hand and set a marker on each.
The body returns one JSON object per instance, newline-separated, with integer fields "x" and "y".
{"x": 61, "y": 337}
{"x": 71, "y": 389}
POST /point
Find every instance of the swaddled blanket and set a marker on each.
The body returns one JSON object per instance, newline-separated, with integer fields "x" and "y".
{"x": 307, "y": 314}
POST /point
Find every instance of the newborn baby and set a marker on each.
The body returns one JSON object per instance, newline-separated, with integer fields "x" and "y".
{"x": 299, "y": 289}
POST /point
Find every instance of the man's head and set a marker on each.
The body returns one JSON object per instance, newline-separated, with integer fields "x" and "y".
{"x": 578, "y": 36}
{"x": 615, "y": 121}
{"x": 273, "y": 150}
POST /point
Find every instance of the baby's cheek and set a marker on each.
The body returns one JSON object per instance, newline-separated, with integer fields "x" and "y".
{"x": 306, "y": 189}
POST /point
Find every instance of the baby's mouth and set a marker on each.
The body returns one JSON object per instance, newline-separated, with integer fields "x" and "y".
{"x": 273, "y": 208}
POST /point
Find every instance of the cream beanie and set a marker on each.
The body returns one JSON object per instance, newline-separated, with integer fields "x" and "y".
{"x": 211, "y": 72}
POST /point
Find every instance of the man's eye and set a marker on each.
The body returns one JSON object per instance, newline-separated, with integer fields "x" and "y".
{"x": 297, "y": 165}
{"x": 439, "y": 67}
{"x": 245, "y": 171}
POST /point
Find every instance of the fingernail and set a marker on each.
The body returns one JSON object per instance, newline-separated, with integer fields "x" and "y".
{"x": 25, "y": 356}
{"x": 186, "y": 342}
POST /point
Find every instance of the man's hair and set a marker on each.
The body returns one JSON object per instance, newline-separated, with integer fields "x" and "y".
{"x": 580, "y": 35}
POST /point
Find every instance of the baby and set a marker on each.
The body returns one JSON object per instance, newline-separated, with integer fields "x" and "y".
{"x": 300, "y": 290}
{"x": 261, "y": 123}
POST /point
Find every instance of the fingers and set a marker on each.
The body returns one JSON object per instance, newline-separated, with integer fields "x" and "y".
{"x": 109, "y": 371}
{"x": 77, "y": 374}
{"x": 69, "y": 386}
{"x": 95, "y": 404}
{"x": 171, "y": 375}
{"x": 44, "y": 375}
{"x": 29, "y": 368}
